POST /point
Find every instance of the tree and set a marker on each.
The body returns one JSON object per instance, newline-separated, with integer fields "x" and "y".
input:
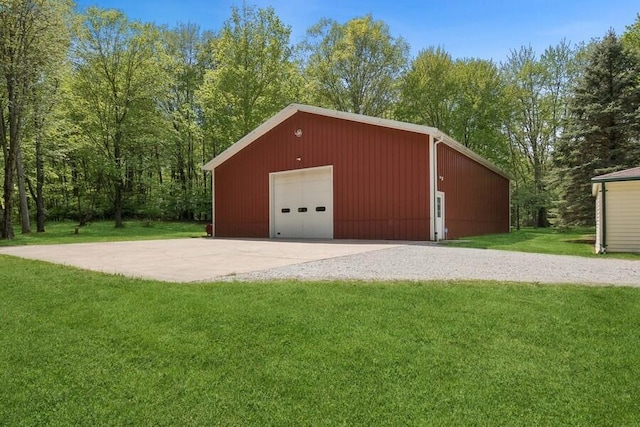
{"x": 44, "y": 98}
{"x": 631, "y": 37}
{"x": 253, "y": 75}
{"x": 185, "y": 65}
{"x": 631, "y": 42}
{"x": 537, "y": 91}
{"x": 32, "y": 33}
{"x": 602, "y": 129}
{"x": 463, "y": 98}
{"x": 117, "y": 83}
{"x": 428, "y": 90}
{"x": 354, "y": 67}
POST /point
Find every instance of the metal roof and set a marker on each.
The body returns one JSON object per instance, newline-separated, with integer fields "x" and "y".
{"x": 632, "y": 174}
{"x": 292, "y": 109}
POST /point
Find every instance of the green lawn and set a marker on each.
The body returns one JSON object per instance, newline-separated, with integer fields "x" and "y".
{"x": 104, "y": 231}
{"x": 576, "y": 241}
{"x": 81, "y": 348}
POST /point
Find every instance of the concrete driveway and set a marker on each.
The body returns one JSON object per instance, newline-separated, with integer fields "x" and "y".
{"x": 191, "y": 260}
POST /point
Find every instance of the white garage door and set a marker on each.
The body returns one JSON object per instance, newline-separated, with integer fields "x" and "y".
{"x": 302, "y": 203}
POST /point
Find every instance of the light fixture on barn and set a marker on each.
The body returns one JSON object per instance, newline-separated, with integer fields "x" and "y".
{"x": 298, "y": 133}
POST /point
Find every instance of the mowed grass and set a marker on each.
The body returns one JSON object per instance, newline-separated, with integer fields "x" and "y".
{"x": 81, "y": 348}
{"x": 576, "y": 241}
{"x": 105, "y": 231}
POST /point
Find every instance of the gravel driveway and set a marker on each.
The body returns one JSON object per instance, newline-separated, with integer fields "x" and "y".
{"x": 196, "y": 260}
{"x": 429, "y": 262}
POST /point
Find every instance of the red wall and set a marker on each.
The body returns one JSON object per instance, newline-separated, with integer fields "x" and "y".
{"x": 476, "y": 198}
{"x": 381, "y": 182}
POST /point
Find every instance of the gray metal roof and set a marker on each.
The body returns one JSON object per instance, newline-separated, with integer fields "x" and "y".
{"x": 294, "y": 108}
{"x": 632, "y": 174}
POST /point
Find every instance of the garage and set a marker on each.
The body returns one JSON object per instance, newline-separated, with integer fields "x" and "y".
{"x": 302, "y": 203}
{"x": 314, "y": 173}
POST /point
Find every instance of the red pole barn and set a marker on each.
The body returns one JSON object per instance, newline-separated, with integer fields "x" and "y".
{"x": 310, "y": 172}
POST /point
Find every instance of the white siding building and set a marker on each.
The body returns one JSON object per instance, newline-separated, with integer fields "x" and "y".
{"x": 617, "y": 211}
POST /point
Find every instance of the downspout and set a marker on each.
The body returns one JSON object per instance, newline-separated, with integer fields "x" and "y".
{"x": 431, "y": 196}
{"x": 213, "y": 202}
{"x": 603, "y": 239}
{"x": 434, "y": 180}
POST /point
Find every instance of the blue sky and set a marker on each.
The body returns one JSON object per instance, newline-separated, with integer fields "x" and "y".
{"x": 486, "y": 29}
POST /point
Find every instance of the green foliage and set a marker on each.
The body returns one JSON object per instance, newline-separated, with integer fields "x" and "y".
{"x": 428, "y": 91}
{"x": 355, "y": 66}
{"x": 464, "y": 98}
{"x": 601, "y": 132}
{"x": 253, "y": 75}
{"x": 537, "y": 91}
{"x": 120, "y": 128}
{"x": 83, "y": 348}
{"x": 33, "y": 37}
{"x": 116, "y": 83}
{"x": 184, "y": 148}
{"x": 631, "y": 38}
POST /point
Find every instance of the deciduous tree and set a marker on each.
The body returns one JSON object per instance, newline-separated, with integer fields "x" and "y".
{"x": 185, "y": 65}
{"x": 117, "y": 82}
{"x": 464, "y": 98}
{"x": 32, "y": 33}
{"x": 355, "y": 66}
{"x": 537, "y": 93}
{"x": 253, "y": 75}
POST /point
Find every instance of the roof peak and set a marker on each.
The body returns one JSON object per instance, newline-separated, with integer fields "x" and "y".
{"x": 292, "y": 109}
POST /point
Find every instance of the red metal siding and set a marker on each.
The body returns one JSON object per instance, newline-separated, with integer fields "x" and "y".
{"x": 381, "y": 181}
{"x": 476, "y": 198}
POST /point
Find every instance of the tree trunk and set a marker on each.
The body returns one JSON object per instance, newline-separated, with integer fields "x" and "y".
{"x": 541, "y": 216}
{"x": 119, "y": 184}
{"x": 6, "y": 228}
{"x": 38, "y": 193}
{"x": 1, "y": 218}
{"x": 118, "y": 204}
{"x": 10, "y": 149}
{"x": 40, "y": 213}
{"x": 542, "y": 220}
{"x": 25, "y": 221}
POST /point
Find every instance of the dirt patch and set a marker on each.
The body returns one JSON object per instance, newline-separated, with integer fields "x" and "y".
{"x": 588, "y": 241}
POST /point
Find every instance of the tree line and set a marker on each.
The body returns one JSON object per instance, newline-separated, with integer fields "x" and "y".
{"x": 102, "y": 116}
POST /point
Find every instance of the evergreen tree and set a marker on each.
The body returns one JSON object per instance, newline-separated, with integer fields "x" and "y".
{"x": 601, "y": 132}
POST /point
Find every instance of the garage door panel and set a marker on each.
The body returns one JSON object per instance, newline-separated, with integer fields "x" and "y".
{"x": 287, "y": 196}
{"x": 303, "y": 204}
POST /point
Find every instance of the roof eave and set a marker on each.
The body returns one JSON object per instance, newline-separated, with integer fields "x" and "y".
{"x": 620, "y": 179}
{"x": 250, "y": 137}
{"x": 359, "y": 118}
{"x": 471, "y": 154}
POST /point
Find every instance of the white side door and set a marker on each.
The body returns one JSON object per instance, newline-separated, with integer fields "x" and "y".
{"x": 440, "y": 229}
